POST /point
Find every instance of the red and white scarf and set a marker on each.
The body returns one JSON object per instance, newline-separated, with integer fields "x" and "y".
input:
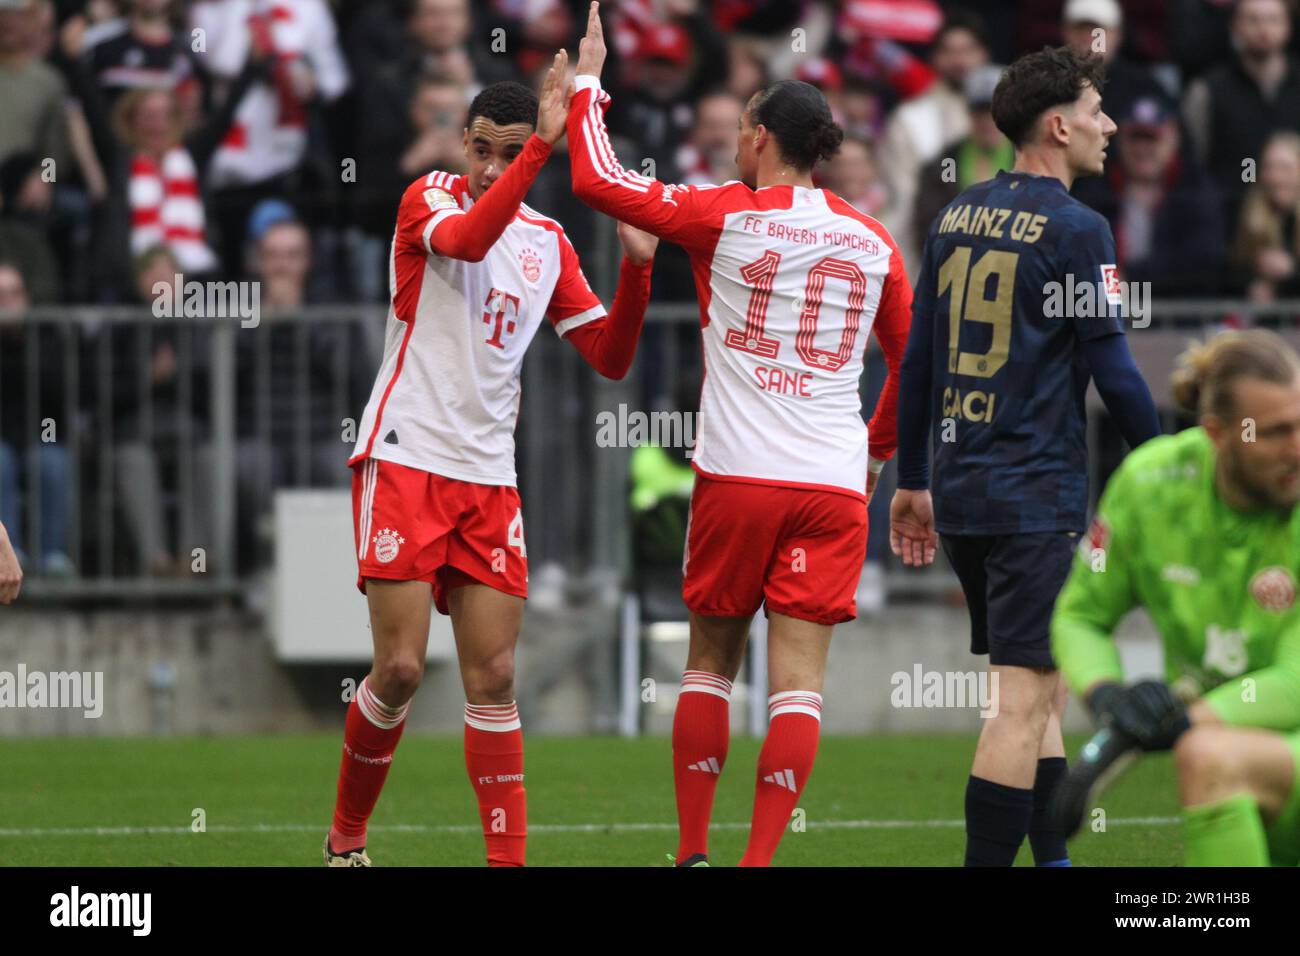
{"x": 166, "y": 209}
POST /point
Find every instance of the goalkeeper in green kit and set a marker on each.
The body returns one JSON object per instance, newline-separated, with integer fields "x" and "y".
{"x": 1202, "y": 528}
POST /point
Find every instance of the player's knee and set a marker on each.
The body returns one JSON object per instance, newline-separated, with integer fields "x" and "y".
{"x": 491, "y": 680}
{"x": 396, "y": 677}
{"x": 1202, "y": 760}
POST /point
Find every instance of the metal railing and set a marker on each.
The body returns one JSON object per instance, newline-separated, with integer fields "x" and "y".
{"x": 157, "y": 444}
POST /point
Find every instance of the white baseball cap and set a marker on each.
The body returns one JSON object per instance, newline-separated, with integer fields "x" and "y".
{"x": 1104, "y": 13}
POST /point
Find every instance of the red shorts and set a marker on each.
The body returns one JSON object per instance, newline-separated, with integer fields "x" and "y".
{"x": 799, "y": 551}
{"x": 413, "y": 525}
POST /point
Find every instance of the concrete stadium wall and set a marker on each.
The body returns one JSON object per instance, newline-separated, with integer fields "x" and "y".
{"x": 214, "y": 672}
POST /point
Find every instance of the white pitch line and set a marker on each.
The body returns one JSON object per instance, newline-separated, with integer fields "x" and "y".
{"x": 20, "y": 832}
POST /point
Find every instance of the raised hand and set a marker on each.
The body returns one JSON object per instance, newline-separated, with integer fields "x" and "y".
{"x": 552, "y": 102}
{"x": 591, "y": 49}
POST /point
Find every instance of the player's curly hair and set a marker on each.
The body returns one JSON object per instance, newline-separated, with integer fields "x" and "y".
{"x": 1203, "y": 381}
{"x": 1036, "y": 82}
{"x": 800, "y": 119}
{"x": 504, "y": 103}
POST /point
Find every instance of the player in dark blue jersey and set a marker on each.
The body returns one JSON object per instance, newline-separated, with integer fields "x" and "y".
{"x": 1017, "y": 306}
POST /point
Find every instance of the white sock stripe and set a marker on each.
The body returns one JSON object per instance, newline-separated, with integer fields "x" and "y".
{"x": 702, "y": 682}
{"x": 494, "y": 717}
{"x": 783, "y": 709}
{"x": 706, "y": 676}
{"x": 377, "y": 712}
{"x": 384, "y": 710}
{"x": 795, "y": 702}
{"x": 795, "y": 695}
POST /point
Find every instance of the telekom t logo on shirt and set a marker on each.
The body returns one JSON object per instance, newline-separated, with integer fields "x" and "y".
{"x": 498, "y": 301}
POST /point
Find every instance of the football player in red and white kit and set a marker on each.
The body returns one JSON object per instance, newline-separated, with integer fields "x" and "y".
{"x": 791, "y": 280}
{"x": 472, "y": 273}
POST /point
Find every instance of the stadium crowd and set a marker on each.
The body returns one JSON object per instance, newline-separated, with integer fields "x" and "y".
{"x": 133, "y": 124}
{"x": 272, "y": 140}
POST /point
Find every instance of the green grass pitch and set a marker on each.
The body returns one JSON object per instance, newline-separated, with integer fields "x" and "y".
{"x": 592, "y": 801}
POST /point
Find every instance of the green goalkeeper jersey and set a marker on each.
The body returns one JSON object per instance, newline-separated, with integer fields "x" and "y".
{"x": 1219, "y": 584}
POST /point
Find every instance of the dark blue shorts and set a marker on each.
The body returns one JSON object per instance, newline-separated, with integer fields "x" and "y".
{"x": 1011, "y": 583}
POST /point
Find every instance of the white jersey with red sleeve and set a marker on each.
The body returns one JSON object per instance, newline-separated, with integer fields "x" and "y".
{"x": 791, "y": 282}
{"x": 447, "y": 394}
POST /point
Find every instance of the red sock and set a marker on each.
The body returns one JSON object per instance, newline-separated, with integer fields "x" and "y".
{"x": 369, "y": 739}
{"x": 494, "y": 757}
{"x": 701, "y": 732}
{"x": 784, "y": 765}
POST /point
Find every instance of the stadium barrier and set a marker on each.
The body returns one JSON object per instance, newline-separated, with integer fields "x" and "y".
{"x": 158, "y": 443}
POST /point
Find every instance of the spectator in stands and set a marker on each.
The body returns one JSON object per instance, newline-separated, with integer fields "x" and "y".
{"x": 970, "y": 160}
{"x": 821, "y": 72}
{"x": 1267, "y": 248}
{"x": 31, "y": 91}
{"x": 853, "y": 175}
{"x": 673, "y": 65}
{"x": 163, "y": 195}
{"x": 154, "y": 428}
{"x": 863, "y": 109}
{"x": 155, "y": 166}
{"x": 1233, "y": 110}
{"x": 1096, "y": 26}
{"x": 1163, "y": 209}
{"x": 414, "y": 77}
{"x": 746, "y": 72}
{"x": 920, "y": 127}
{"x": 708, "y": 156}
{"x": 26, "y": 203}
{"x": 265, "y": 153}
{"x": 33, "y": 436}
{"x": 1200, "y": 34}
{"x": 296, "y": 383}
{"x": 143, "y": 50}
{"x": 318, "y": 374}
{"x": 437, "y": 114}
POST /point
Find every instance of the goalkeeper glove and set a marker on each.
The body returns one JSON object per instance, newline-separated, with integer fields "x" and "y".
{"x": 1147, "y": 712}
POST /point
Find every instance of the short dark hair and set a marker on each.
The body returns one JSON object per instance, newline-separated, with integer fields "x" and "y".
{"x": 799, "y": 118}
{"x": 1036, "y": 82}
{"x": 504, "y": 103}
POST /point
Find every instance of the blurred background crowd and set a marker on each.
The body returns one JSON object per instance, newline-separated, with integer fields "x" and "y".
{"x": 272, "y": 139}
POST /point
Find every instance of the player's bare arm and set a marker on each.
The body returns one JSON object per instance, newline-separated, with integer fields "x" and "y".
{"x": 638, "y": 245}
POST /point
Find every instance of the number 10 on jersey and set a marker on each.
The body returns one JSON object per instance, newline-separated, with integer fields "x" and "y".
{"x": 761, "y": 277}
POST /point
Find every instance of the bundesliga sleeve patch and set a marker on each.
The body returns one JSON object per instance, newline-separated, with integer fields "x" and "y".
{"x": 1110, "y": 281}
{"x": 440, "y": 199}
